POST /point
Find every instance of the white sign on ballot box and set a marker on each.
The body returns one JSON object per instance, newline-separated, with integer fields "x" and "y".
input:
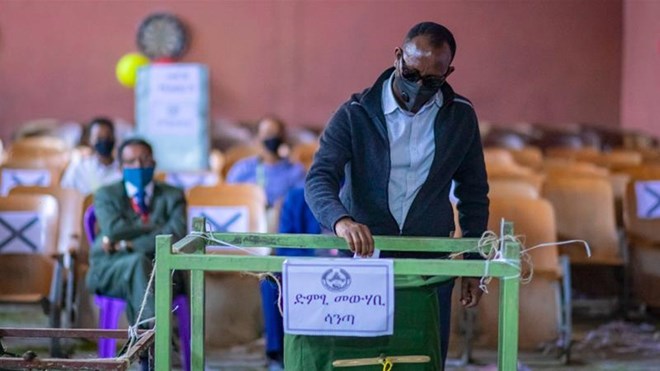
{"x": 341, "y": 297}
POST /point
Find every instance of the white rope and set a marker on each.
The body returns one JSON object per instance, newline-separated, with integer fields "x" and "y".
{"x": 208, "y": 236}
{"x": 133, "y": 334}
{"x": 491, "y": 248}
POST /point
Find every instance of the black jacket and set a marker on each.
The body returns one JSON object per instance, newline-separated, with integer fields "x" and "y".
{"x": 355, "y": 149}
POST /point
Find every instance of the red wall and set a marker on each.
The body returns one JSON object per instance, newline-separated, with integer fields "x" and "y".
{"x": 548, "y": 61}
{"x": 640, "y": 101}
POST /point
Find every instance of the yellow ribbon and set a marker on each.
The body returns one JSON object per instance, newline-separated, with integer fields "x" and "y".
{"x": 387, "y": 364}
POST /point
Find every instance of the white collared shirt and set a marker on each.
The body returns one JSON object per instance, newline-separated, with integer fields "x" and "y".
{"x": 87, "y": 174}
{"x": 412, "y": 147}
{"x": 131, "y": 191}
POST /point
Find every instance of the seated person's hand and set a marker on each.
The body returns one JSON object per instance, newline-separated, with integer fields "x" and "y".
{"x": 358, "y": 236}
{"x": 110, "y": 247}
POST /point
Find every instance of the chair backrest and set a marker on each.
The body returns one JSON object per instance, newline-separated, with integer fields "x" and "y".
{"x": 37, "y": 143}
{"x": 39, "y": 152}
{"x": 577, "y": 154}
{"x": 574, "y": 168}
{"x": 504, "y": 187}
{"x": 642, "y": 205}
{"x": 515, "y": 172}
{"x": 236, "y": 153}
{"x": 28, "y": 235}
{"x": 528, "y": 156}
{"x": 584, "y": 209}
{"x": 619, "y": 158}
{"x": 498, "y": 157}
{"x": 533, "y": 218}
{"x": 70, "y": 212}
{"x": 233, "y": 200}
{"x": 304, "y": 153}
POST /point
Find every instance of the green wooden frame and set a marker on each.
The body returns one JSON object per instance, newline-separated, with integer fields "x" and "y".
{"x": 189, "y": 254}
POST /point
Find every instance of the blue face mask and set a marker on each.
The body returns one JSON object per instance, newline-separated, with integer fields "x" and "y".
{"x": 139, "y": 176}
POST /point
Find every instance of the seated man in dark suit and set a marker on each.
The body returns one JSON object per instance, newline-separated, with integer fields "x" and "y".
{"x": 130, "y": 214}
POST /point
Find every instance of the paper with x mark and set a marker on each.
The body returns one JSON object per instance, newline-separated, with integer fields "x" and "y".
{"x": 23, "y": 177}
{"x": 21, "y": 232}
{"x": 233, "y": 219}
{"x": 648, "y": 199}
{"x": 187, "y": 180}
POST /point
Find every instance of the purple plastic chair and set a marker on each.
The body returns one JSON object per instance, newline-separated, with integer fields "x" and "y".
{"x": 110, "y": 309}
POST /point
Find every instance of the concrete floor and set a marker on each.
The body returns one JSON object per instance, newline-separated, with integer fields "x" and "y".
{"x": 586, "y": 356}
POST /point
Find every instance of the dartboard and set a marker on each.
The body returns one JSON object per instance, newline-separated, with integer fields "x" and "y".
{"x": 162, "y": 35}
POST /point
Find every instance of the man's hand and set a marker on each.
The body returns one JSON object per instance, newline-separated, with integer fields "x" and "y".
{"x": 108, "y": 246}
{"x": 358, "y": 236}
{"x": 470, "y": 292}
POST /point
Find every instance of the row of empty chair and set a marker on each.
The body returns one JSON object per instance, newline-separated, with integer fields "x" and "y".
{"x": 41, "y": 161}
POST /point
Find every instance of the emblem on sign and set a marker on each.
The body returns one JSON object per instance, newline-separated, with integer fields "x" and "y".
{"x": 336, "y": 279}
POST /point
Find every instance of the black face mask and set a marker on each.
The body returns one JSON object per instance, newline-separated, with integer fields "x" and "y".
{"x": 273, "y": 144}
{"x": 104, "y": 147}
{"x": 413, "y": 95}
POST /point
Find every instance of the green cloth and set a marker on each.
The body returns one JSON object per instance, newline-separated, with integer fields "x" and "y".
{"x": 125, "y": 274}
{"x": 416, "y": 332}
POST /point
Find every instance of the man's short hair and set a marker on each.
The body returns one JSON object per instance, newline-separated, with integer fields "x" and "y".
{"x": 438, "y": 35}
{"x": 101, "y": 121}
{"x": 133, "y": 142}
{"x": 278, "y": 121}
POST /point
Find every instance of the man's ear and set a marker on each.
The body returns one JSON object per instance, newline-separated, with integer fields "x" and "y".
{"x": 450, "y": 70}
{"x": 397, "y": 54}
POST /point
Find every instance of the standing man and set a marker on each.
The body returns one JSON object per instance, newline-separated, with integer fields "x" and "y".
{"x": 397, "y": 147}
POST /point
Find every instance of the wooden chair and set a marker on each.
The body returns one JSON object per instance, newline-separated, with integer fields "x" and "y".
{"x": 236, "y": 319}
{"x": 545, "y": 309}
{"x": 69, "y": 236}
{"x": 585, "y": 210}
{"x": 543, "y": 317}
{"x": 237, "y": 152}
{"x": 642, "y": 223}
{"x": 70, "y": 204}
{"x": 31, "y": 265}
{"x": 304, "y": 153}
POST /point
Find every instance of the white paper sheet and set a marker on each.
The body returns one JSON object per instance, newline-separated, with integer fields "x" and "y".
{"x": 342, "y": 297}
